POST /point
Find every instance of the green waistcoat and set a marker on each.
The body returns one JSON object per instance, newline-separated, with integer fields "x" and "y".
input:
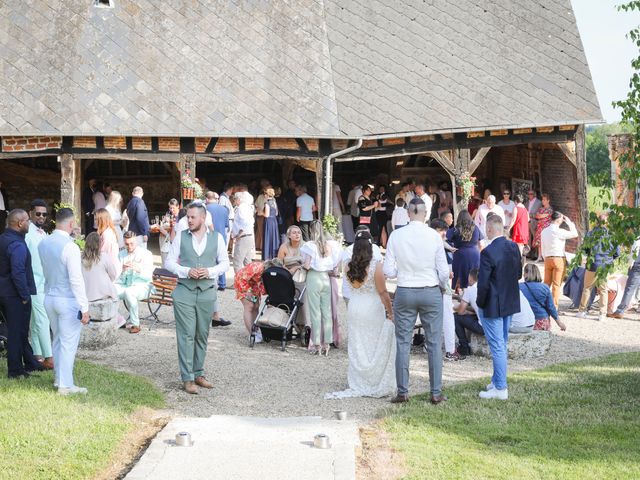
{"x": 189, "y": 258}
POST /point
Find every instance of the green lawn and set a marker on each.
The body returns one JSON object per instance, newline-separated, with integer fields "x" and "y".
{"x": 596, "y": 197}
{"x": 579, "y": 420}
{"x": 47, "y": 436}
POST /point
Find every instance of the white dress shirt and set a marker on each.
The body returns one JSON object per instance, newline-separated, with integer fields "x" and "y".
{"x": 72, "y": 260}
{"x": 481, "y": 216}
{"x": 243, "y": 221}
{"x": 2, "y": 206}
{"x": 554, "y": 238}
{"x": 346, "y": 258}
{"x": 225, "y": 202}
{"x": 508, "y": 211}
{"x": 400, "y": 217}
{"x": 352, "y": 200}
{"x": 173, "y": 258}
{"x": 428, "y": 204}
{"x": 142, "y": 259}
{"x": 415, "y": 255}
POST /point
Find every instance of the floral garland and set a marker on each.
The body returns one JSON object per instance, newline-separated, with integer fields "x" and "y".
{"x": 466, "y": 183}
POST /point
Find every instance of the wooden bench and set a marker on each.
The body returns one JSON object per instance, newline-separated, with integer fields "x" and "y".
{"x": 162, "y": 286}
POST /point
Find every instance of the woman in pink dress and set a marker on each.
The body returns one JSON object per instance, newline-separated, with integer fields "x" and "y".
{"x": 108, "y": 237}
{"x": 520, "y": 224}
{"x": 544, "y": 220}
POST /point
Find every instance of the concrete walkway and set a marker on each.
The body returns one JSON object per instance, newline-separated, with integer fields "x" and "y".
{"x": 226, "y": 447}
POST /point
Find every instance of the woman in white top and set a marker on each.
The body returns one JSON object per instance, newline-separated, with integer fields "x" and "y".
{"x": 319, "y": 261}
{"x": 98, "y": 271}
{"x": 114, "y": 207}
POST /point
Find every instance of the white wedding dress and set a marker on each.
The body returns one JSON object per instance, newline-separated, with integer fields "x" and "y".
{"x": 372, "y": 344}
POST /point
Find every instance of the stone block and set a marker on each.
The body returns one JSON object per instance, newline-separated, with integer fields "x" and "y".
{"x": 521, "y": 345}
{"x": 97, "y": 335}
{"x": 103, "y": 310}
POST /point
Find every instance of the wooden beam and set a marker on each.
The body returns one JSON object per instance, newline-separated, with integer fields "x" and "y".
{"x": 569, "y": 150}
{"x": 444, "y": 159}
{"x": 477, "y": 159}
{"x": 70, "y": 183}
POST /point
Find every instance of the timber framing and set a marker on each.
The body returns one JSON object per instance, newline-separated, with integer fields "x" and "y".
{"x": 214, "y": 149}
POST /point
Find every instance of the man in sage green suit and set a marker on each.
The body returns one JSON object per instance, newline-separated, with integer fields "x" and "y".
{"x": 198, "y": 256}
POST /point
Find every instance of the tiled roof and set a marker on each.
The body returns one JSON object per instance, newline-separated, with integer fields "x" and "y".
{"x": 299, "y": 68}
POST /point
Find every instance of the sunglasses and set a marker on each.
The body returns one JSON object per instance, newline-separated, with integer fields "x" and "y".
{"x": 40, "y": 214}
{"x": 506, "y": 193}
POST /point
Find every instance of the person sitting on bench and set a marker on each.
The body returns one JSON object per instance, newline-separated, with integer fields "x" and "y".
{"x": 133, "y": 283}
{"x": 466, "y": 316}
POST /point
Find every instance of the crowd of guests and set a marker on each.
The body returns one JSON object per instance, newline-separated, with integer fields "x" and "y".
{"x": 454, "y": 276}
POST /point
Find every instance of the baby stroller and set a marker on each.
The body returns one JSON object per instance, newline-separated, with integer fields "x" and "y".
{"x": 278, "y": 312}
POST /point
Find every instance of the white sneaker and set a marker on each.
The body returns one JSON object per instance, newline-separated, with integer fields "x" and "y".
{"x": 495, "y": 393}
{"x": 258, "y": 337}
{"x": 581, "y": 315}
{"x": 72, "y": 390}
{"x": 602, "y": 318}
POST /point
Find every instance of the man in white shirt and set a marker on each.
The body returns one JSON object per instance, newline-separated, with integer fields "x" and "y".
{"x": 39, "y": 327}
{"x": 424, "y": 196}
{"x": 507, "y": 206}
{"x": 65, "y": 298}
{"x": 132, "y": 285}
{"x": 485, "y": 209}
{"x": 197, "y": 256}
{"x": 305, "y": 206}
{"x": 553, "y": 240}
{"x": 415, "y": 256}
{"x": 242, "y": 232}
{"x": 352, "y": 202}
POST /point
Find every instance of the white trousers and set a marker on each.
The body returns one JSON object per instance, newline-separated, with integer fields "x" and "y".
{"x": 449, "y": 324}
{"x": 63, "y": 315}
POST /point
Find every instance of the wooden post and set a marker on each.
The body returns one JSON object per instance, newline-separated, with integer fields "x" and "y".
{"x": 581, "y": 170}
{"x": 461, "y": 159}
{"x": 70, "y": 183}
{"x": 320, "y": 180}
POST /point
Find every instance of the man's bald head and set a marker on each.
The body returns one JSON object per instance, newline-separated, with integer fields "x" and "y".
{"x": 18, "y": 220}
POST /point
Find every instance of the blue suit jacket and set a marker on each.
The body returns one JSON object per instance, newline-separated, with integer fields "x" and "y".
{"x": 220, "y": 217}
{"x": 500, "y": 270}
{"x": 16, "y": 275}
{"x": 138, "y": 216}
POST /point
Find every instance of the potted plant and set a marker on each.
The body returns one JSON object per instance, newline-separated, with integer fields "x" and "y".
{"x": 330, "y": 225}
{"x": 188, "y": 186}
{"x": 466, "y": 187}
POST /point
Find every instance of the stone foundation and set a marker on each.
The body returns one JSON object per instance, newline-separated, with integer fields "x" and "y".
{"x": 102, "y": 330}
{"x": 521, "y": 345}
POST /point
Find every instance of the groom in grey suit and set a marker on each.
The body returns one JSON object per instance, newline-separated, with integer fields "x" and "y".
{"x": 415, "y": 256}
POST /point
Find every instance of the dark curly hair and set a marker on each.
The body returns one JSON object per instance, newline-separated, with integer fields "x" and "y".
{"x": 361, "y": 258}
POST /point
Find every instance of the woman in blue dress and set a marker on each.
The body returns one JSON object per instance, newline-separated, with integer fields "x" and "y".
{"x": 271, "y": 242}
{"x": 465, "y": 237}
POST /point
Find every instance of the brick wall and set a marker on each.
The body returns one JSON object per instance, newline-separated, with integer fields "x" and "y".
{"x": 25, "y": 183}
{"x": 18, "y": 144}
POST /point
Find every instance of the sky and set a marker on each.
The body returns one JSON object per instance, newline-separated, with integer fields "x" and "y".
{"x": 603, "y": 30}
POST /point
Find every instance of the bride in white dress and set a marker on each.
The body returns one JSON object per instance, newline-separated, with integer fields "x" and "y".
{"x": 372, "y": 343}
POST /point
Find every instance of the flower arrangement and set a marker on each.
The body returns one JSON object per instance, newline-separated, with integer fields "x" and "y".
{"x": 188, "y": 186}
{"x": 466, "y": 186}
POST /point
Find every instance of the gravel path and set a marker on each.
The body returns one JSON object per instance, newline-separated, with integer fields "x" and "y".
{"x": 267, "y": 382}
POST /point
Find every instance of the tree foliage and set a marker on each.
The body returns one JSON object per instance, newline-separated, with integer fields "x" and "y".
{"x": 624, "y": 221}
{"x": 598, "y": 162}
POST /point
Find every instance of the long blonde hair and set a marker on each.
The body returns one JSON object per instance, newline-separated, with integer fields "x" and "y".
{"x": 318, "y": 236}
{"x": 104, "y": 221}
{"x": 115, "y": 200}
{"x": 91, "y": 252}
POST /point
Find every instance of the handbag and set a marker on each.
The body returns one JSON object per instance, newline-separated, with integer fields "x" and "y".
{"x": 273, "y": 317}
{"x": 300, "y": 276}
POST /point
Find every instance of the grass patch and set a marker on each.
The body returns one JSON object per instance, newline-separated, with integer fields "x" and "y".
{"x": 596, "y": 197}
{"x": 46, "y": 436}
{"x": 579, "y": 420}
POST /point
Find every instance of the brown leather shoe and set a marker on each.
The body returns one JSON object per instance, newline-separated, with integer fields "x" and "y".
{"x": 400, "y": 399}
{"x": 190, "y": 387}
{"x": 617, "y": 315}
{"x": 436, "y": 399}
{"x": 134, "y": 329}
{"x": 203, "y": 382}
{"x": 47, "y": 363}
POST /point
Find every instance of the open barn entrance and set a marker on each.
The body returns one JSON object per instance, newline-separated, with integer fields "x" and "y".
{"x": 159, "y": 180}
{"x": 25, "y": 179}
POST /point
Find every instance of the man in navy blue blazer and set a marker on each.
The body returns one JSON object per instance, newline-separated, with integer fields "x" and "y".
{"x": 16, "y": 287}
{"x": 498, "y": 299}
{"x": 138, "y": 216}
